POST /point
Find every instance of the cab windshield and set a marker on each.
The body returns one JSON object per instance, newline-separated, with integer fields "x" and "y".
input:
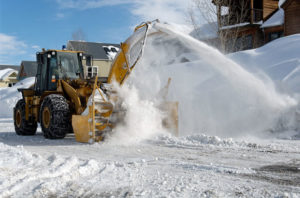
{"x": 69, "y": 66}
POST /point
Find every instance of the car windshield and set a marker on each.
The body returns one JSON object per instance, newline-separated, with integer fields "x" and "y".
{"x": 68, "y": 65}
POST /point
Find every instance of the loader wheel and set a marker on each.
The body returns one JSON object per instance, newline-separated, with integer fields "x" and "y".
{"x": 22, "y": 126}
{"x": 55, "y": 117}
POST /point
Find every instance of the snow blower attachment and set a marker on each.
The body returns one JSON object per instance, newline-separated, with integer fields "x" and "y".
{"x": 62, "y": 100}
{"x": 105, "y": 111}
{"x": 94, "y": 121}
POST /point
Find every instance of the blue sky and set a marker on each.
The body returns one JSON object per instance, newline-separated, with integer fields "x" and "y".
{"x": 27, "y": 26}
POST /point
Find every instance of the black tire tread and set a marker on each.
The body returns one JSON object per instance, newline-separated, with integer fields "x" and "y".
{"x": 60, "y": 122}
{"x": 26, "y": 128}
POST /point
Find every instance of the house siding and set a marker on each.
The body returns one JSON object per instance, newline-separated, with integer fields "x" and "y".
{"x": 103, "y": 67}
{"x": 268, "y": 7}
{"x": 292, "y": 18}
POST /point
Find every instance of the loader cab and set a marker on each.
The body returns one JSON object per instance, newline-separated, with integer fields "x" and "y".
{"x": 56, "y": 65}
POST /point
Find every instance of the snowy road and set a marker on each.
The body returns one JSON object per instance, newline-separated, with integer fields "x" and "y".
{"x": 192, "y": 166}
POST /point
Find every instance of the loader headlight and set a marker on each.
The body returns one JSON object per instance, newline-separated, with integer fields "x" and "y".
{"x": 53, "y": 53}
{"x": 49, "y": 56}
{"x": 80, "y": 54}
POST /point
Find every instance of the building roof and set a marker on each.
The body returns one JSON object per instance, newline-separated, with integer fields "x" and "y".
{"x": 15, "y": 67}
{"x": 99, "y": 51}
{"x": 276, "y": 19}
{"x": 30, "y": 68}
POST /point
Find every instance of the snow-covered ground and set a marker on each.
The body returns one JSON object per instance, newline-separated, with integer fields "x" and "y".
{"x": 191, "y": 166}
{"x": 248, "y": 161}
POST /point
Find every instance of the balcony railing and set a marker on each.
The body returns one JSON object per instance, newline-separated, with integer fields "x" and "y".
{"x": 236, "y": 18}
{"x": 257, "y": 15}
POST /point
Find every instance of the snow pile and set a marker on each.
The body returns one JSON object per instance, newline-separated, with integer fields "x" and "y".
{"x": 6, "y": 72}
{"x": 197, "y": 140}
{"x": 216, "y": 95}
{"x": 9, "y": 96}
{"x": 278, "y": 59}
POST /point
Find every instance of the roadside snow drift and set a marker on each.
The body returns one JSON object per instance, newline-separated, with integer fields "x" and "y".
{"x": 278, "y": 59}
{"x": 9, "y": 96}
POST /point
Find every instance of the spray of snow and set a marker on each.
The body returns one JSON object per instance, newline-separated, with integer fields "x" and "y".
{"x": 143, "y": 119}
{"x": 216, "y": 95}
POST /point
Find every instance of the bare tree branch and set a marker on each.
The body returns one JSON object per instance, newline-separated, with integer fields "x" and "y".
{"x": 223, "y": 19}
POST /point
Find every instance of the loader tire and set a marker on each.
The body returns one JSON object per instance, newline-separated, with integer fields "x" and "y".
{"x": 22, "y": 126}
{"x": 55, "y": 117}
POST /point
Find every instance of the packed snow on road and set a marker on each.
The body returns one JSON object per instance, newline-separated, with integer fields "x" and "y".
{"x": 239, "y": 130}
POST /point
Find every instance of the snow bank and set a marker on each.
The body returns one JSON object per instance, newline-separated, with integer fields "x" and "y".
{"x": 198, "y": 140}
{"x": 278, "y": 59}
{"x": 9, "y": 96}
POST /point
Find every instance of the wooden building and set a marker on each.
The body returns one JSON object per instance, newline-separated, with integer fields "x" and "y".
{"x": 291, "y": 17}
{"x": 239, "y": 26}
{"x": 269, "y": 7}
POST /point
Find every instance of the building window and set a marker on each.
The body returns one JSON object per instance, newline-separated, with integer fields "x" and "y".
{"x": 88, "y": 60}
{"x": 92, "y": 71}
{"x": 275, "y": 35}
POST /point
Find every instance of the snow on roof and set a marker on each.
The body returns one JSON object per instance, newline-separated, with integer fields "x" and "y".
{"x": 275, "y": 20}
{"x": 6, "y": 72}
{"x": 111, "y": 51}
{"x": 281, "y": 2}
{"x": 233, "y": 26}
{"x": 95, "y": 49}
